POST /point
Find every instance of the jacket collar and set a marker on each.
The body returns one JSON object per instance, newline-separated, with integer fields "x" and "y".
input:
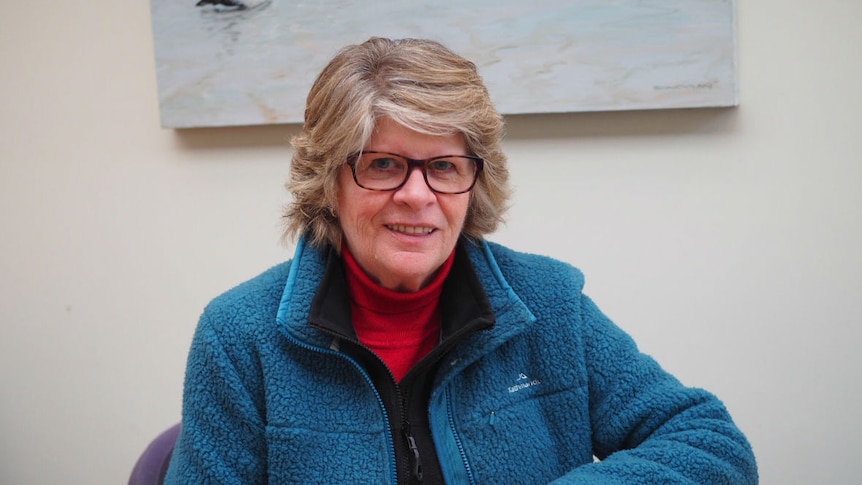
{"x": 475, "y": 289}
{"x": 463, "y": 303}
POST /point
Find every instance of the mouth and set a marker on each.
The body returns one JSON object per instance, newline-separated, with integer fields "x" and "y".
{"x": 412, "y": 230}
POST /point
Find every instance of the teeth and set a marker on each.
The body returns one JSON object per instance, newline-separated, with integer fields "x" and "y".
{"x": 412, "y": 229}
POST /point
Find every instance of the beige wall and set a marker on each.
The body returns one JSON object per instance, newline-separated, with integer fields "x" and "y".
{"x": 726, "y": 241}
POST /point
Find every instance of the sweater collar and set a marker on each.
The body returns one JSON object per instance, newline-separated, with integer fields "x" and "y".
{"x": 475, "y": 276}
{"x": 463, "y": 303}
{"x": 367, "y": 293}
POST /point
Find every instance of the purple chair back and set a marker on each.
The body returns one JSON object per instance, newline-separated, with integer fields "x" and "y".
{"x": 153, "y": 462}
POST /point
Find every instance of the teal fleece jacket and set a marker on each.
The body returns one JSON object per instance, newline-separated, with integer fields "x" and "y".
{"x": 532, "y": 400}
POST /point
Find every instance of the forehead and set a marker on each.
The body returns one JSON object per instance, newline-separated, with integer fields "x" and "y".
{"x": 390, "y": 136}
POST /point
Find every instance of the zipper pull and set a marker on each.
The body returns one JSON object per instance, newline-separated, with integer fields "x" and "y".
{"x": 415, "y": 459}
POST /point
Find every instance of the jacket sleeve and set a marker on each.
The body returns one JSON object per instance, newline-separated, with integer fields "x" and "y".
{"x": 647, "y": 427}
{"x": 223, "y": 436}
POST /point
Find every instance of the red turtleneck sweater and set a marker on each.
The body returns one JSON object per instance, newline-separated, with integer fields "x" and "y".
{"x": 401, "y": 328}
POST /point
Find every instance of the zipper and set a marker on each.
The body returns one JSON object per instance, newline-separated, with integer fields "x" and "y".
{"x": 450, "y": 416}
{"x": 414, "y": 457}
{"x": 364, "y": 374}
{"x": 435, "y": 356}
{"x": 414, "y": 472}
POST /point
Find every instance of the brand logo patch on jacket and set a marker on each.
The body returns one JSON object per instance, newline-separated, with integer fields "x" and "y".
{"x": 523, "y": 382}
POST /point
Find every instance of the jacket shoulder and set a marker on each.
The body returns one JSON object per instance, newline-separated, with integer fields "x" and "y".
{"x": 250, "y": 300}
{"x": 530, "y": 270}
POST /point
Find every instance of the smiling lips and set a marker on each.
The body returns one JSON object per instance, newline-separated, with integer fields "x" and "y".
{"x": 410, "y": 229}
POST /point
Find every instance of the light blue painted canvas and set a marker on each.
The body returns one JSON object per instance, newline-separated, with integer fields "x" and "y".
{"x": 225, "y": 66}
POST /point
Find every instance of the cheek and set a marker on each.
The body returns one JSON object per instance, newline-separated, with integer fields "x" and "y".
{"x": 356, "y": 215}
{"x": 456, "y": 211}
{"x": 356, "y": 226}
{"x": 351, "y": 221}
{"x": 348, "y": 205}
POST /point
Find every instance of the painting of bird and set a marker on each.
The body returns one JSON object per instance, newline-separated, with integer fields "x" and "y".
{"x": 232, "y": 4}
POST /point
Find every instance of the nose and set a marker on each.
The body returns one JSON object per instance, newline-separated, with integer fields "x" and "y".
{"x": 415, "y": 191}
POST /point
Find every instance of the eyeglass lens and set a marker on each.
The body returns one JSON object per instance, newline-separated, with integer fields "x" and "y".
{"x": 389, "y": 171}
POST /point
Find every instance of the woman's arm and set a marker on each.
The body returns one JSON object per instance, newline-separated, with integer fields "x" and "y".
{"x": 647, "y": 427}
{"x": 222, "y": 438}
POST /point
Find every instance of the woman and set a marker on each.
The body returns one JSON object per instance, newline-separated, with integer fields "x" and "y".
{"x": 400, "y": 347}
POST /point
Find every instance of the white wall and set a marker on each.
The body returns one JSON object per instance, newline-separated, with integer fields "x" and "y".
{"x": 726, "y": 241}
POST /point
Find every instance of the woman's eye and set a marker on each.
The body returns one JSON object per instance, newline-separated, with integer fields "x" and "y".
{"x": 441, "y": 166}
{"x": 383, "y": 164}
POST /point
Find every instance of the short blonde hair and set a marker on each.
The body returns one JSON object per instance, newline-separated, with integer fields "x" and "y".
{"x": 419, "y": 84}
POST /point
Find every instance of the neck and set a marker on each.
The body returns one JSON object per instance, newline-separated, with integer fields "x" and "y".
{"x": 401, "y": 328}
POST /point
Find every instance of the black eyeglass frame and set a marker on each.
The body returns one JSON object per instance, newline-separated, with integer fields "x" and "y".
{"x": 421, "y": 164}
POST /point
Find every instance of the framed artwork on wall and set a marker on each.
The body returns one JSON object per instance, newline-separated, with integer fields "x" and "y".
{"x": 253, "y": 62}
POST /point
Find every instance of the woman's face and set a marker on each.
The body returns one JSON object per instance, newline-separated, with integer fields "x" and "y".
{"x": 401, "y": 237}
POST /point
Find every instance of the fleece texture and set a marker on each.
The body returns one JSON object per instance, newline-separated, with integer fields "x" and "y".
{"x": 533, "y": 400}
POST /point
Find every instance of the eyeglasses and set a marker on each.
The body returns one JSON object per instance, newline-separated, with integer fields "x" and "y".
{"x": 446, "y": 174}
